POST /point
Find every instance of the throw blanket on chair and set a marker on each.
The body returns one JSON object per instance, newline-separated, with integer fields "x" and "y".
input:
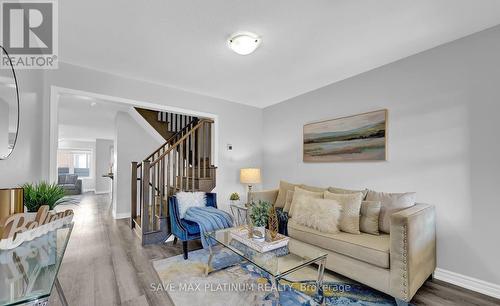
{"x": 209, "y": 219}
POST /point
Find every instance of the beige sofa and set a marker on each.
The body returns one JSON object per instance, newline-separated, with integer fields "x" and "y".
{"x": 397, "y": 263}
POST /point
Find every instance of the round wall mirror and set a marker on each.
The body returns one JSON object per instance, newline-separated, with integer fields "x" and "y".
{"x": 9, "y": 105}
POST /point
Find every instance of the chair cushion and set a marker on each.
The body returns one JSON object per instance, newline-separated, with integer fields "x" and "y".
{"x": 364, "y": 247}
{"x": 191, "y": 227}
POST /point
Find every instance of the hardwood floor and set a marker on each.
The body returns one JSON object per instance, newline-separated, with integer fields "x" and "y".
{"x": 105, "y": 264}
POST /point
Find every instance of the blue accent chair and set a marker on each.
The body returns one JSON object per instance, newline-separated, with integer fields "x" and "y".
{"x": 185, "y": 230}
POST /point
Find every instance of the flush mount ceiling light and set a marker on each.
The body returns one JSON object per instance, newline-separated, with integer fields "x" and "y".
{"x": 244, "y": 43}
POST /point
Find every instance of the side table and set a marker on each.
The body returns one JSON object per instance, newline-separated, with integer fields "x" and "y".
{"x": 239, "y": 212}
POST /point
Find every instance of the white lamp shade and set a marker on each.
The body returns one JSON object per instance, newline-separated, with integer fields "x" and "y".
{"x": 250, "y": 176}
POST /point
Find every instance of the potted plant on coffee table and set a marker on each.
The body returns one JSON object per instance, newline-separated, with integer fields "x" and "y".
{"x": 259, "y": 214}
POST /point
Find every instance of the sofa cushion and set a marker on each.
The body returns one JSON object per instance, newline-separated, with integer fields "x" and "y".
{"x": 312, "y": 188}
{"x": 351, "y": 206}
{"x": 364, "y": 247}
{"x": 288, "y": 200}
{"x": 320, "y": 214}
{"x": 347, "y": 191}
{"x": 302, "y": 196}
{"x": 391, "y": 203}
{"x": 284, "y": 187}
{"x": 370, "y": 212}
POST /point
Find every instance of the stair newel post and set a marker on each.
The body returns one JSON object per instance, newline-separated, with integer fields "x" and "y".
{"x": 133, "y": 194}
{"x": 168, "y": 175}
{"x": 145, "y": 197}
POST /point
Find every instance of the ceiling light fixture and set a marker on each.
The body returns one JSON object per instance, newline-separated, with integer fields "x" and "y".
{"x": 244, "y": 43}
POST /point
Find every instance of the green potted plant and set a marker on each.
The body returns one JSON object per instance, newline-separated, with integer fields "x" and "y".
{"x": 234, "y": 198}
{"x": 259, "y": 214}
{"x": 42, "y": 193}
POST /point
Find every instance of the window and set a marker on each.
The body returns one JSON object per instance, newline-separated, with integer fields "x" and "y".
{"x": 74, "y": 162}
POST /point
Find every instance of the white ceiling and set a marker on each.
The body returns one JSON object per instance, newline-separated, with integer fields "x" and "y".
{"x": 306, "y": 44}
{"x": 78, "y": 120}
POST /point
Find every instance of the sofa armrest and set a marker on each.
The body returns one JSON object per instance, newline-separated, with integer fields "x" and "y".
{"x": 413, "y": 249}
{"x": 264, "y": 195}
{"x": 79, "y": 187}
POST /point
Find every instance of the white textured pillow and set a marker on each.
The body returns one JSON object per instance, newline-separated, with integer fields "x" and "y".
{"x": 319, "y": 214}
{"x": 190, "y": 199}
{"x": 391, "y": 203}
{"x": 351, "y": 206}
{"x": 302, "y": 196}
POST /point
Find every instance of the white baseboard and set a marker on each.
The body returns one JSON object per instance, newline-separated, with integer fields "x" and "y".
{"x": 102, "y": 192}
{"x": 467, "y": 282}
{"x": 88, "y": 190}
{"x": 121, "y": 215}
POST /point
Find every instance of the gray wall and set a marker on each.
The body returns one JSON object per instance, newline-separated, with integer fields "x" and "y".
{"x": 103, "y": 161}
{"x": 132, "y": 143}
{"x": 443, "y": 121}
{"x": 26, "y": 162}
{"x": 239, "y": 125}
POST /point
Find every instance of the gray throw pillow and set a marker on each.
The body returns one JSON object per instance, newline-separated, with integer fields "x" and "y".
{"x": 391, "y": 203}
{"x": 368, "y": 221}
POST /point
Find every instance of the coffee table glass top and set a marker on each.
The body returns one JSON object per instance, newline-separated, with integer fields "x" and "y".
{"x": 28, "y": 272}
{"x": 300, "y": 254}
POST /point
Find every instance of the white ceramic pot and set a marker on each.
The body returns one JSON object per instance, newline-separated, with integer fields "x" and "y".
{"x": 259, "y": 233}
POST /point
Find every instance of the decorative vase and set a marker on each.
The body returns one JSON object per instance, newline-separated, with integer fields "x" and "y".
{"x": 259, "y": 233}
{"x": 234, "y": 202}
{"x": 273, "y": 224}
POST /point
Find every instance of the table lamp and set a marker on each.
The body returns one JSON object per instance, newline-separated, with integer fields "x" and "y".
{"x": 250, "y": 176}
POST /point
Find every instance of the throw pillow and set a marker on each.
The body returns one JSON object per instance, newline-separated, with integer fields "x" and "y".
{"x": 186, "y": 200}
{"x": 368, "y": 222}
{"x": 391, "y": 203}
{"x": 301, "y": 196}
{"x": 312, "y": 188}
{"x": 284, "y": 187}
{"x": 320, "y": 214}
{"x": 351, "y": 206}
{"x": 347, "y": 191}
{"x": 288, "y": 200}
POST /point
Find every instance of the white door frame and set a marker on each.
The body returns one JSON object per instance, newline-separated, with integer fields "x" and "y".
{"x": 56, "y": 91}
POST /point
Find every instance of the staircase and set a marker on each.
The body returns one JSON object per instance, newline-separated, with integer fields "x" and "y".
{"x": 182, "y": 163}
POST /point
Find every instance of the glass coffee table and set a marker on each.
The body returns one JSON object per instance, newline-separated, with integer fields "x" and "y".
{"x": 300, "y": 255}
{"x": 29, "y": 272}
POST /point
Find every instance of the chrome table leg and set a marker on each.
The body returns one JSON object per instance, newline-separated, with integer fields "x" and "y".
{"x": 209, "y": 262}
{"x": 319, "y": 283}
{"x": 60, "y": 292}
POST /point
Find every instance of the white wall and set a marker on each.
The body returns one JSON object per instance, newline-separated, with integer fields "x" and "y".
{"x": 103, "y": 160}
{"x": 26, "y": 161}
{"x": 443, "y": 121}
{"x": 132, "y": 143}
{"x": 239, "y": 125}
{"x": 4, "y": 128}
{"x": 88, "y": 183}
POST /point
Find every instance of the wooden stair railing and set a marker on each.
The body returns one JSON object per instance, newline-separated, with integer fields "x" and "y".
{"x": 182, "y": 163}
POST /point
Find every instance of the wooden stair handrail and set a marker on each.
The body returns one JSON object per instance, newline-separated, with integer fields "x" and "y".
{"x": 195, "y": 128}
{"x": 171, "y": 138}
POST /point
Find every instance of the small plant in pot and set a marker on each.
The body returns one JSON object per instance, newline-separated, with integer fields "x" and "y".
{"x": 234, "y": 198}
{"x": 259, "y": 214}
{"x": 42, "y": 193}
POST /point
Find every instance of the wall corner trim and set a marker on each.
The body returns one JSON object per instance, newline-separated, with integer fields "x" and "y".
{"x": 468, "y": 282}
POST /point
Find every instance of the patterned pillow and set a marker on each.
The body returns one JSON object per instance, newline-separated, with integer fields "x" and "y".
{"x": 186, "y": 200}
{"x": 351, "y": 206}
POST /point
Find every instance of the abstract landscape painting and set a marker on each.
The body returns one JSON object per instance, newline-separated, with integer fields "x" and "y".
{"x": 354, "y": 138}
